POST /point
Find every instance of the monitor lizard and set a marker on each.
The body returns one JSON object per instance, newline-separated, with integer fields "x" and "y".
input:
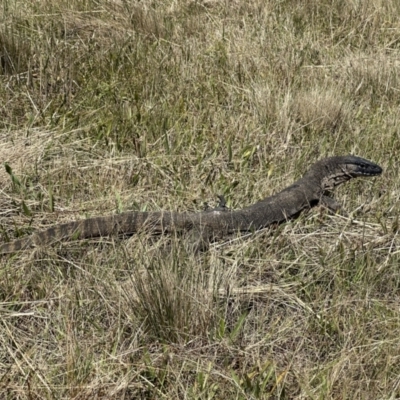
{"x": 207, "y": 226}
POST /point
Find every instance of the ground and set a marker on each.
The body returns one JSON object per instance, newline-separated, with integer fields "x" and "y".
{"x": 109, "y": 106}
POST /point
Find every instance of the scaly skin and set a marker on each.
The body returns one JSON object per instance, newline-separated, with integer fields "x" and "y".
{"x": 308, "y": 191}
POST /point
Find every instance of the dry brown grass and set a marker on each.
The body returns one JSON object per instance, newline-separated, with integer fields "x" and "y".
{"x": 109, "y": 106}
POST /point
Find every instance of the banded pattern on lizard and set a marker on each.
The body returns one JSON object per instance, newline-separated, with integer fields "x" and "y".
{"x": 308, "y": 191}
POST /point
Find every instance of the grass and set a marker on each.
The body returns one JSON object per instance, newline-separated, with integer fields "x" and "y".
{"x": 108, "y": 106}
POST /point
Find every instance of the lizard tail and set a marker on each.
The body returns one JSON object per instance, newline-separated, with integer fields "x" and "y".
{"x": 124, "y": 223}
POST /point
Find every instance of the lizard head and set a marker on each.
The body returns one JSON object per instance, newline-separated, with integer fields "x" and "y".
{"x": 334, "y": 171}
{"x": 357, "y": 166}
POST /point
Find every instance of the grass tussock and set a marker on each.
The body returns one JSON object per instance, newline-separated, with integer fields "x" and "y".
{"x": 110, "y": 106}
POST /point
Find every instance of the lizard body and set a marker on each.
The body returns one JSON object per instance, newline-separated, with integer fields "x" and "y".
{"x": 308, "y": 191}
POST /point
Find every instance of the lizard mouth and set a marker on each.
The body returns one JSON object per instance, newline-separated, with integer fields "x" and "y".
{"x": 366, "y": 170}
